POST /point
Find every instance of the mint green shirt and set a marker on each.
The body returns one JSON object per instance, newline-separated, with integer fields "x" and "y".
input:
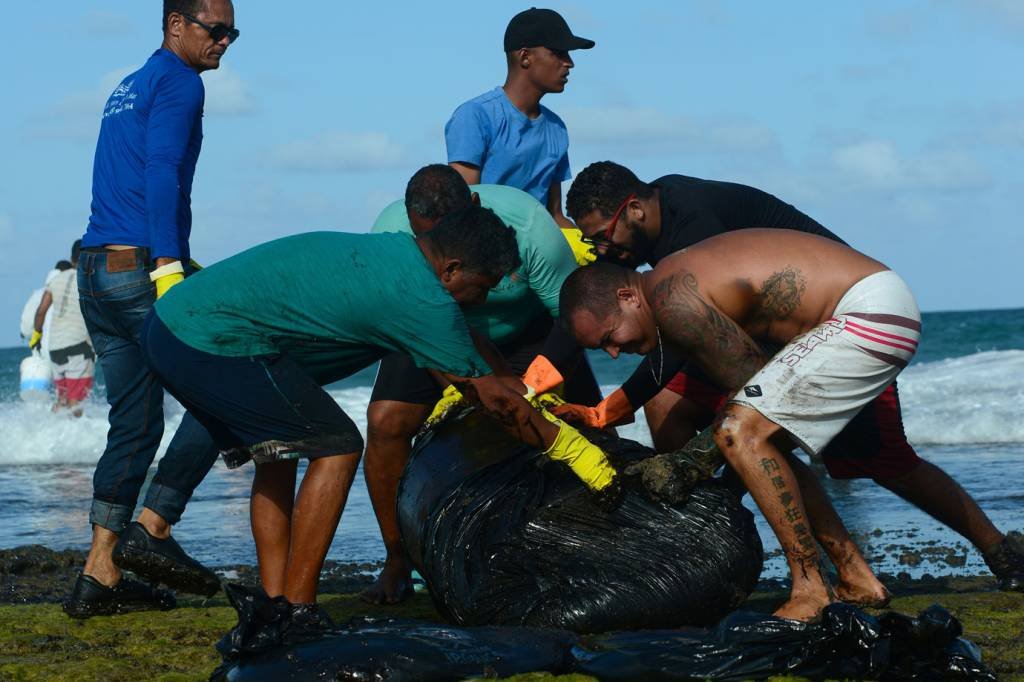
{"x": 335, "y": 302}
{"x": 530, "y": 291}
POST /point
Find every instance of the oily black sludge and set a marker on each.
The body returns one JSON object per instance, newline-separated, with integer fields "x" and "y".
{"x": 846, "y": 644}
{"x": 405, "y": 650}
{"x": 504, "y": 536}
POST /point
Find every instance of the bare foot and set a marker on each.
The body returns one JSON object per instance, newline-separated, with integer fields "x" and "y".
{"x": 802, "y": 608}
{"x": 393, "y": 585}
{"x": 874, "y": 596}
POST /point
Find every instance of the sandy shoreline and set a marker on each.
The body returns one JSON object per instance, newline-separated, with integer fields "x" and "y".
{"x": 38, "y": 642}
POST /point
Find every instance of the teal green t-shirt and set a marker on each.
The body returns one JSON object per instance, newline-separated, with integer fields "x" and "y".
{"x": 530, "y": 291}
{"x": 333, "y": 301}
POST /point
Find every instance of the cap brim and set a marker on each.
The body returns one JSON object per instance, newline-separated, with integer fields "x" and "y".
{"x": 573, "y": 43}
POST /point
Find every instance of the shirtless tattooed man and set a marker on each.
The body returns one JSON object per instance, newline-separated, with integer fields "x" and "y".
{"x": 846, "y": 326}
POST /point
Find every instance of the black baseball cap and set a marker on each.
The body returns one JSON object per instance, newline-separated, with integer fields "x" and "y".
{"x": 542, "y": 28}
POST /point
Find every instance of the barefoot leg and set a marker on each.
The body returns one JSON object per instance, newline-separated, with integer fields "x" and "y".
{"x": 857, "y": 582}
{"x": 745, "y": 438}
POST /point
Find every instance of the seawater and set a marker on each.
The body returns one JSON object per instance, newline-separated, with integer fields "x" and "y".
{"x": 961, "y": 398}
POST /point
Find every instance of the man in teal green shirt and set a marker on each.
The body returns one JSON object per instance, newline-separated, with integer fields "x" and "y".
{"x": 246, "y": 344}
{"x": 517, "y": 318}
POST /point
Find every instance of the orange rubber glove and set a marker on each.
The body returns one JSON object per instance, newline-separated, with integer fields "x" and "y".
{"x": 612, "y": 411}
{"x": 541, "y": 376}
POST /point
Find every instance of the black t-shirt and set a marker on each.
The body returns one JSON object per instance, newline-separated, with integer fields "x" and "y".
{"x": 693, "y": 209}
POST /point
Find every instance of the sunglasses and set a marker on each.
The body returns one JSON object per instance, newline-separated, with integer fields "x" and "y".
{"x": 218, "y": 32}
{"x": 605, "y": 240}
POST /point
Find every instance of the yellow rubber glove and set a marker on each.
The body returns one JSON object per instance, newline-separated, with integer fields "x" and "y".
{"x": 451, "y": 398}
{"x": 36, "y": 340}
{"x": 612, "y": 411}
{"x": 548, "y": 401}
{"x": 583, "y": 252}
{"x": 585, "y": 459}
{"x": 166, "y": 276}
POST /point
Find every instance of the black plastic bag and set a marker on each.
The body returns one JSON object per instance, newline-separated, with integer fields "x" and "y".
{"x": 504, "y": 536}
{"x": 846, "y": 644}
{"x": 401, "y": 651}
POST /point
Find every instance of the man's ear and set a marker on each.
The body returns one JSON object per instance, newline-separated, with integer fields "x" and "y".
{"x": 523, "y": 57}
{"x": 175, "y": 23}
{"x": 451, "y": 266}
{"x": 628, "y": 295}
{"x": 636, "y": 209}
{"x": 475, "y": 199}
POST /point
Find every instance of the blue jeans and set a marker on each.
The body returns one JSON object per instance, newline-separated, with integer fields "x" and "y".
{"x": 116, "y": 295}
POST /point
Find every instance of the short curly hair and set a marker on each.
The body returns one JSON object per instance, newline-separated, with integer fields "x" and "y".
{"x": 602, "y": 187}
{"x": 478, "y": 238}
{"x": 436, "y": 190}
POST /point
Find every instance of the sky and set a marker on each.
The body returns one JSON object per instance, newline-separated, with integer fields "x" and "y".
{"x": 899, "y": 125}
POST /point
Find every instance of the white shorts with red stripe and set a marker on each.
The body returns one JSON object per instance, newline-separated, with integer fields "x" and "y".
{"x": 815, "y": 385}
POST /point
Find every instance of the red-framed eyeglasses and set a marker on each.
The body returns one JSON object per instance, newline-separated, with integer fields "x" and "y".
{"x": 605, "y": 238}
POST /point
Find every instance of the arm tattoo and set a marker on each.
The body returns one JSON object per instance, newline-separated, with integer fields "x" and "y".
{"x": 723, "y": 349}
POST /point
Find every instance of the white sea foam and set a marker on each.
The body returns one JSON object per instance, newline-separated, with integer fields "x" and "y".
{"x": 971, "y": 399}
{"x": 32, "y": 434}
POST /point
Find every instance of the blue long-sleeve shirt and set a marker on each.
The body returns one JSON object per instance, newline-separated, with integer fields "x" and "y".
{"x": 146, "y": 155}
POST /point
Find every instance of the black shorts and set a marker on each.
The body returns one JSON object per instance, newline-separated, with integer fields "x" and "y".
{"x": 399, "y": 379}
{"x": 265, "y": 408}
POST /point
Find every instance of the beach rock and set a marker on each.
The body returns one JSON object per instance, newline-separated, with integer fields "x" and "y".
{"x": 33, "y": 573}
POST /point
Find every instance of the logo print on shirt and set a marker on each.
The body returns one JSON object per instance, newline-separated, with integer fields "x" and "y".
{"x": 752, "y": 391}
{"x": 122, "y": 99}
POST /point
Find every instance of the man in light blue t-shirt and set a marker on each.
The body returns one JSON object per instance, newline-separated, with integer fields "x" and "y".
{"x": 505, "y": 136}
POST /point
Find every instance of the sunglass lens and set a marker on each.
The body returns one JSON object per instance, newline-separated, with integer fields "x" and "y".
{"x": 220, "y": 32}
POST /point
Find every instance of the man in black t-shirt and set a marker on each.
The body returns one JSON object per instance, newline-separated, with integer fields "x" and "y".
{"x": 673, "y": 212}
{"x": 631, "y": 222}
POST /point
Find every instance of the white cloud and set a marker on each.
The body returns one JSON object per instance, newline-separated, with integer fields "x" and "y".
{"x": 651, "y": 129}
{"x": 875, "y": 161}
{"x": 104, "y": 24}
{"x": 899, "y": 24}
{"x": 340, "y": 152}
{"x": 1009, "y": 130}
{"x": 77, "y": 115}
{"x": 1005, "y": 13}
{"x": 6, "y": 229}
{"x": 877, "y": 164}
{"x": 226, "y": 93}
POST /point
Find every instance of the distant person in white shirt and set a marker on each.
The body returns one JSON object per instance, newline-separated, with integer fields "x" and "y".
{"x": 70, "y": 349}
{"x": 28, "y": 312}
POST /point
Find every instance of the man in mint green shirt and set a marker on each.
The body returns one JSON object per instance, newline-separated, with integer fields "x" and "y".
{"x": 246, "y": 344}
{"x": 517, "y": 318}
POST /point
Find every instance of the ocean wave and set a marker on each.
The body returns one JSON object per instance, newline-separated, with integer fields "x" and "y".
{"x": 960, "y": 401}
{"x": 972, "y": 399}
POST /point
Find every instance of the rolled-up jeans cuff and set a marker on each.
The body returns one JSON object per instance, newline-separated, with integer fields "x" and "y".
{"x": 113, "y": 517}
{"x": 167, "y": 502}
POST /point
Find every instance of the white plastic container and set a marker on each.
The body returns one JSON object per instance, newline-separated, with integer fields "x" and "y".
{"x": 36, "y": 382}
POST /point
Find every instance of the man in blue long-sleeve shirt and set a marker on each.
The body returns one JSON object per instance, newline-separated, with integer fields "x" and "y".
{"x": 134, "y": 250}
